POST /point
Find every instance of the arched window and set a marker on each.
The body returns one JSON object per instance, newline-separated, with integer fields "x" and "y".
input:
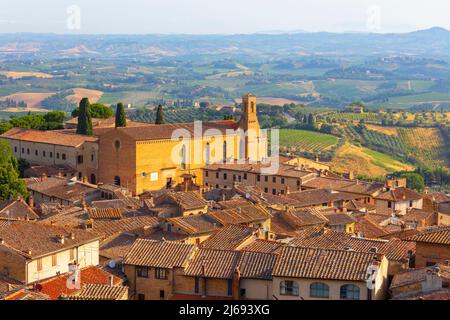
{"x": 253, "y": 107}
{"x": 183, "y": 157}
{"x": 224, "y": 151}
{"x": 319, "y": 290}
{"x": 117, "y": 180}
{"x": 349, "y": 292}
{"x": 207, "y": 153}
{"x": 93, "y": 179}
{"x": 289, "y": 288}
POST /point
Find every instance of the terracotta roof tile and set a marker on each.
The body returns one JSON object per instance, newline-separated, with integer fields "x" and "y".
{"x": 105, "y": 213}
{"x": 394, "y": 250}
{"x": 196, "y": 224}
{"x": 219, "y": 264}
{"x": 229, "y": 237}
{"x": 98, "y": 292}
{"x": 48, "y": 136}
{"x": 32, "y": 239}
{"x": 256, "y": 265}
{"x": 318, "y": 196}
{"x": 400, "y": 194}
{"x": 159, "y": 254}
{"x": 264, "y": 246}
{"x": 57, "y": 286}
{"x": 245, "y": 214}
{"x": 441, "y": 236}
{"x": 298, "y": 262}
{"x": 16, "y": 210}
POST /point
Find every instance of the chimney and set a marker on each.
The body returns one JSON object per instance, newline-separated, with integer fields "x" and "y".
{"x": 31, "y": 201}
{"x": 110, "y": 280}
{"x": 72, "y": 236}
{"x": 10, "y": 287}
{"x": 288, "y": 190}
{"x": 43, "y": 177}
{"x": 61, "y": 238}
{"x": 84, "y": 179}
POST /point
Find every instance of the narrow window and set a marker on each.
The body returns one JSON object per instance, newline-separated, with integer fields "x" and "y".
{"x": 142, "y": 272}
{"x": 230, "y": 287}
{"x": 224, "y": 151}
{"x": 39, "y": 264}
{"x": 196, "y": 285}
{"x": 161, "y": 273}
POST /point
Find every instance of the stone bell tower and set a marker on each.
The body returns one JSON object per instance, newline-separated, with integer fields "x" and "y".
{"x": 250, "y": 125}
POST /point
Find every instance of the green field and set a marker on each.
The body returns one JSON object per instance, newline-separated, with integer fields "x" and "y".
{"x": 303, "y": 140}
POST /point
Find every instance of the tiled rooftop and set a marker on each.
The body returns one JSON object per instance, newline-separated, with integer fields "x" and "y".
{"x": 48, "y": 136}
{"x": 32, "y": 239}
{"x": 229, "y": 237}
{"x": 159, "y": 254}
{"x": 298, "y": 262}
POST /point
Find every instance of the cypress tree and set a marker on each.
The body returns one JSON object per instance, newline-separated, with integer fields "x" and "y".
{"x": 159, "y": 115}
{"x": 84, "y": 125}
{"x": 121, "y": 119}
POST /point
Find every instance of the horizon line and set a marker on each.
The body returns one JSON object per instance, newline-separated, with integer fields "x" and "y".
{"x": 268, "y": 32}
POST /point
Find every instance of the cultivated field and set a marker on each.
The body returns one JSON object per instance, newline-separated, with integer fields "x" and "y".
{"x": 19, "y": 75}
{"x": 302, "y": 140}
{"x": 366, "y": 162}
{"x": 32, "y": 99}
{"x": 80, "y": 93}
{"x": 427, "y": 144}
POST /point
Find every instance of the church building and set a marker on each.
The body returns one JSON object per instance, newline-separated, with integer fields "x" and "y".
{"x": 153, "y": 157}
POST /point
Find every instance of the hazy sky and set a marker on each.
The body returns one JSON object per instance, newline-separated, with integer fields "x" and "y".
{"x": 220, "y": 16}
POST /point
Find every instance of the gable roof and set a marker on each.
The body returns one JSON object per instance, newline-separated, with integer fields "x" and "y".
{"x": 440, "y": 236}
{"x": 32, "y": 240}
{"x": 264, "y": 246}
{"x": 318, "y": 197}
{"x": 244, "y": 214}
{"x": 98, "y": 292}
{"x": 105, "y": 213}
{"x": 298, "y": 262}
{"x": 61, "y": 188}
{"x": 437, "y": 197}
{"x": 400, "y": 194}
{"x": 158, "y": 254}
{"x": 394, "y": 250}
{"x": 195, "y": 224}
{"x": 256, "y": 265}
{"x": 229, "y": 237}
{"x": 62, "y": 138}
{"x": 344, "y": 185}
{"x": 212, "y": 263}
{"x": 188, "y": 200}
{"x": 16, "y": 210}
